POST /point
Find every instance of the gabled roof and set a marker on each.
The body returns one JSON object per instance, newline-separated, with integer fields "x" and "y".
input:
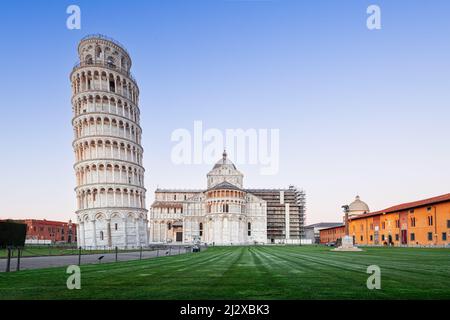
{"x": 178, "y": 190}
{"x": 167, "y": 204}
{"x": 324, "y": 225}
{"x": 341, "y": 225}
{"x": 225, "y": 185}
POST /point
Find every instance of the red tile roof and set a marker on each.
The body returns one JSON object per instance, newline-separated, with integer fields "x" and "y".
{"x": 333, "y": 227}
{"x": 407, "y": 206}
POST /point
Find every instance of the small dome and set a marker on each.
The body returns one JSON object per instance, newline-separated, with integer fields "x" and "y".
{"x": 358, "y": 206}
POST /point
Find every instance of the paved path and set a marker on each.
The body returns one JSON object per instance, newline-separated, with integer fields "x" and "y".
{"x": 62, "y": 261}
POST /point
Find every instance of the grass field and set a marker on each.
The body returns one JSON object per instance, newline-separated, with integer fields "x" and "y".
{"x": 265, "y": 272}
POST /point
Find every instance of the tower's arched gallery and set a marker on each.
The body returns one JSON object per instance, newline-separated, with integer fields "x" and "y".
{"x": 110, "y": 189}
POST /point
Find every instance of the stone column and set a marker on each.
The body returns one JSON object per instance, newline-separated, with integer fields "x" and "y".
{"x": 80, "y": 232}
{"x": 226, "y": 230}
{"x": 150, "y": 232}
{"x": 125, "y": 234}
{"x": 94, "y": 234}
{"x": 138, "y": 238}
{"x": 108, "y": 232}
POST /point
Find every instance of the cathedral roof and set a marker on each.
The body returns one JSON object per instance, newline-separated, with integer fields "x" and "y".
{"x": 167, "y": 204}
{"x": 225, "y": 186}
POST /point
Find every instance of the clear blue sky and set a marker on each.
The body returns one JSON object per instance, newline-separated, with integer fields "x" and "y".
{"x": 359, "y": 112}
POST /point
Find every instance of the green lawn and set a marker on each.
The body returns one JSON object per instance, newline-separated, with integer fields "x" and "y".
{"x": 265, "y": 272}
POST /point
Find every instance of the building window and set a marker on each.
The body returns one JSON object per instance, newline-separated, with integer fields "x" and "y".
{"x": 383, "y": 225}
{"x": 382, "y": 237}
{"x": 448, "y": 224}
{"x": 396, "y": 237}
{"x": 411, "y": 211}
{"x": 362, "y": 238}
{"x": 371, "y": 237}
{"x": 111, "y": 62}
{"x": 169, "y": 226}
{"x": 429, "y": 209}
{"x": 116, "y": 227}
{"x": 397, "y": 223}
{"x": 201, "y": 229}
{"x": 430, "y": 236}
{"x": 430, "y": 220}
{"x": 444, "y": 236}
{"x": 413, "y": 237}
{"x": 413, "y": 222}
{"x": 101, "y": 235}
{"x": 249, "y": 229}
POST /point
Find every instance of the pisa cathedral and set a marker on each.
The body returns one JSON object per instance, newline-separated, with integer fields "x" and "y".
{"x": 110, "y": 191}
{"x": 226, "y": 213}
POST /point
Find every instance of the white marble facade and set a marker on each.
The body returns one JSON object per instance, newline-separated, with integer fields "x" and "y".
{"x": 223, "y": 214}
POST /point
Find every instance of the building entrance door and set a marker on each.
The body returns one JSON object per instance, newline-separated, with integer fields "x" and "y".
{"x": 179, "y": 237}
{"x": 404, "y": 237}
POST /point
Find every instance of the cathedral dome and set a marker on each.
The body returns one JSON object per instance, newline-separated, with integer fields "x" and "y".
{"x": 224, "y": 170}
{"x": 224, "y": 162}
{"x": 358, "y": 206}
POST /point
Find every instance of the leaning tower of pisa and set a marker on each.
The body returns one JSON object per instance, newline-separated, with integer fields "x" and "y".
{"x": 109, "y": 173}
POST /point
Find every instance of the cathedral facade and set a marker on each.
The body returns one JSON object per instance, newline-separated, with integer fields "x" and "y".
{"x": 225, "y": 213}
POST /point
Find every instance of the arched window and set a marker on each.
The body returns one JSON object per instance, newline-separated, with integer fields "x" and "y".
{"x": 98, "y": 52}
{"x": 111, "y": 62}
{"x": 112, "y": 84}
{"x": 88, "y": 59}
{"x": 249, "y": 229}
{"x": 225, "y": 208}
{"x": 116, "y": 227}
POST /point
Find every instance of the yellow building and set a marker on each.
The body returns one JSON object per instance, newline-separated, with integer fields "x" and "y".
{"x": 420, "y": 223}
